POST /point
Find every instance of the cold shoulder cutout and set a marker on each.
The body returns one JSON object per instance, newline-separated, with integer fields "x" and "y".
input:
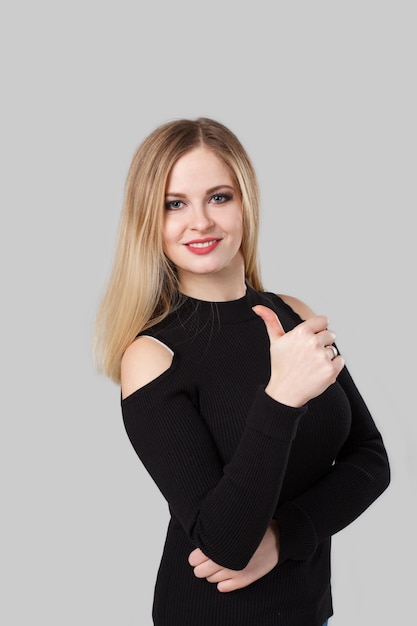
{"x": 302, "y": 309}
{"x": 144, "y": 360}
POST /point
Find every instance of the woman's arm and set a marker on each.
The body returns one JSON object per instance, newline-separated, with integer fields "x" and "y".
{"x": 262, "y": 562}
{"x": 359, "y": 475}
{"x": 225, "y": 510}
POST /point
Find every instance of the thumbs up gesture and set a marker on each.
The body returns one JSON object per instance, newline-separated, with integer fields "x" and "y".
{"x": 303, "y": 361}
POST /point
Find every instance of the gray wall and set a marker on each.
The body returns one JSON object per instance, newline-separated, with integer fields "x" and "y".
{"x": 323, "y": 96}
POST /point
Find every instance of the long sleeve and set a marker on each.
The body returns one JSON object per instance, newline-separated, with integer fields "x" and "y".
{"x": 358, "y": 476}
{"x": 224, "y": 509}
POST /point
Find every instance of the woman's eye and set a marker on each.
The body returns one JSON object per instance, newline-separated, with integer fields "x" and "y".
{"x": 174, "y": 204}
{"x": 219, "y": 198}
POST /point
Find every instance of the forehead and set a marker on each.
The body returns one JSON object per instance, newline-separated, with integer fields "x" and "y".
{"x": 199, "y": 167}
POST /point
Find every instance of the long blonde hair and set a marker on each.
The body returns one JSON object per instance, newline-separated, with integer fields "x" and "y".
{"x": 143, "y": 287}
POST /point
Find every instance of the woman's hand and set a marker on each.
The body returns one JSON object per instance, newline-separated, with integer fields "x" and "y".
{"x": 302, "y": 363}
{"x": 262, "y": 562}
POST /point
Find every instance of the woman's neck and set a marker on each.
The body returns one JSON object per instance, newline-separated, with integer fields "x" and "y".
{"x": 213, "y": 287}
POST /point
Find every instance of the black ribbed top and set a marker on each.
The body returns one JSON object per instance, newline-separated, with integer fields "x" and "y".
{"x": 228, "y": 458}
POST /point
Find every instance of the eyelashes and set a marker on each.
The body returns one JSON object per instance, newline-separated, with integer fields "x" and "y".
{"x": 173, "y": 205}
{"x": 217, "y": 198}
{"x": 221, "y": 198}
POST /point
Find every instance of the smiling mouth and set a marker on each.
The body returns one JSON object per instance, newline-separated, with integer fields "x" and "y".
{"x": 203, "y": 244}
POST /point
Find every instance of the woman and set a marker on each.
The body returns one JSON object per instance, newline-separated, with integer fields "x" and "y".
{"x": 235, "y": 399}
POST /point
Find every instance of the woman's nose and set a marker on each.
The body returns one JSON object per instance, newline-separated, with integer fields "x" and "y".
{"x": 200, "y": 219}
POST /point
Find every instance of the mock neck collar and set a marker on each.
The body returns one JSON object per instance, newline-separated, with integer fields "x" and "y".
{"x": 224, "y": 311}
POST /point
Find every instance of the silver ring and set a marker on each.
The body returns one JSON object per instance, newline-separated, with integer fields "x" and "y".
{"x": 334, "y": 350}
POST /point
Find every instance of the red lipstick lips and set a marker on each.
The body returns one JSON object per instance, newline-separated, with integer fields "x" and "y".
{"x": 202, "y": 246}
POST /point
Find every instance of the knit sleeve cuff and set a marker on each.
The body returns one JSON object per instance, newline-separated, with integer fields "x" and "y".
{"x": 274, "y": 419}
{"x": 297, "y": 536}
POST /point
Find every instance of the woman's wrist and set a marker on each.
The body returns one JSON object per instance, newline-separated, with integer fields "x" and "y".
{"x": 283, "y": 396}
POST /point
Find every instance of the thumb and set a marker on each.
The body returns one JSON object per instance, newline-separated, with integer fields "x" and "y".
{"x": 272, "y": 323}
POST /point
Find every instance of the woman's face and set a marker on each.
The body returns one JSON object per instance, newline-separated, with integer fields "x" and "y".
{"x": 203, "y": 224}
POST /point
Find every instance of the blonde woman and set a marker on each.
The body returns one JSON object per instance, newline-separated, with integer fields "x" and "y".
{"x": 236, "y": 400}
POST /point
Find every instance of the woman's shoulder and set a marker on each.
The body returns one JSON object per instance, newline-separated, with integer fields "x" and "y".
{"x": 142, "y": 362}
{"x": 298, "y": 306}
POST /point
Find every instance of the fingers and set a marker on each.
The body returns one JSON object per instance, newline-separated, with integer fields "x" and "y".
{"x": 220, "y": 576}
{"x": 262, "y": 562}
{"x": 230, "y": 584}
{"x": 338, "y": 363}
{"x": 332, "y": 351}
{"x": 207, "y": 569}
{"x": 315, "y": 324}
{"x": 226, "y": 579}
{"x": 326, "y": 337}
{"x": 272, "y": 323}
{"x": 197, "y": 557}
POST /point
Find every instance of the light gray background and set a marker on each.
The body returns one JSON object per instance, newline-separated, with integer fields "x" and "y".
{"x": 323, "y": 96}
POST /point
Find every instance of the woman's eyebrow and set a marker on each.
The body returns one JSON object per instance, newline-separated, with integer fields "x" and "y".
{"x": 182, "y": 195}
